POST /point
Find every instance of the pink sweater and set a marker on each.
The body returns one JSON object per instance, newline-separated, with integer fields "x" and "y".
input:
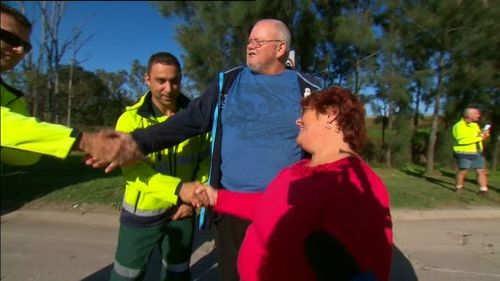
{"x": 345, "y": 198}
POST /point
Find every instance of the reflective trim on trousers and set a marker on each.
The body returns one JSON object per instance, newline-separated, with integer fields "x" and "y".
{"x": 178, "y": 267}
{"x": 126, "y": 272}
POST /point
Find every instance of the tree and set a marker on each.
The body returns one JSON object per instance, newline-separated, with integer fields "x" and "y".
{"x": 135, "y": 78}
{"x": 55, "y": 49}
{"x": 443, "y": 30}
{"x": 215, "y": 34}
{"x": 31, "y": 71}
{"x": 76, "y": 45}
{"x": 51, "y": 20}
{"x": 101, "y": 96}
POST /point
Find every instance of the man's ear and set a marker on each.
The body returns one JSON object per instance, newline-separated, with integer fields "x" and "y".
{"x": 282, "y": 53}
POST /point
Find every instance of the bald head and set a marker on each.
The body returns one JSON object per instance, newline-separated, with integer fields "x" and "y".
{"x": 267, "y": 47}
{"x": 279, "y": 29}
{"x": 471, "y": 114}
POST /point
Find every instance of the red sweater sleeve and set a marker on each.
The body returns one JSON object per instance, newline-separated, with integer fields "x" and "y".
{"x": 239, "y": 204}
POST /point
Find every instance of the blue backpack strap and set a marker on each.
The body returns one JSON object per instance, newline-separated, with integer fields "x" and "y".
{"x": 201, "y": 222}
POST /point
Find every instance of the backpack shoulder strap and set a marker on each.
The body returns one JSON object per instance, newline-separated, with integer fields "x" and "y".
{"x": 307, "y": 83}
{"x": 228, "y": 77}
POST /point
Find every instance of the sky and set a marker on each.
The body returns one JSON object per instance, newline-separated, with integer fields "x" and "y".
{"x": 121, "y": 32}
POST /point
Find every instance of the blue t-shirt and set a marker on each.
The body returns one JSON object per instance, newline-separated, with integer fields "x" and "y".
{"x": 259, "y": 131}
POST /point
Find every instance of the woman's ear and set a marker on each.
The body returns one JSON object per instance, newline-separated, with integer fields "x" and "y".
{"x": 332, "y": 116}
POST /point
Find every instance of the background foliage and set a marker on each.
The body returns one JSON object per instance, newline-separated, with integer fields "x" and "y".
{"x": 417, "y": 64}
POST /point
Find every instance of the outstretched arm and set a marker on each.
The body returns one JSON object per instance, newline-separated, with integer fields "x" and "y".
{"x": 196, "y": 119}
{"x": 239, "y": 204}
{"x": 111, "y": 149}
{"x": 23, "y": 138}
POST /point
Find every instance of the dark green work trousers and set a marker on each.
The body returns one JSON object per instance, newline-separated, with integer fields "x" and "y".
{"x": 136, "y": 244}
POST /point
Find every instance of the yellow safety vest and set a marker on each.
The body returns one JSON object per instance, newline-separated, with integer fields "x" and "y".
{"x": 151, "y": 184}
{"x": 24, "y": 138}
{"x": 467, "y": 138}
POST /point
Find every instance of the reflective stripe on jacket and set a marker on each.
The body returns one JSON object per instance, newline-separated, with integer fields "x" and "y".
{"x": 24, "y": 138}
{"x": 151, "y": 184}
{"x": 467, "y": 138}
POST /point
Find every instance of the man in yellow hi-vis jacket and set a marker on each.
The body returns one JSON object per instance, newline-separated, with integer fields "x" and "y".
{"x": 33, "y": 138}
{"x": 153, "y": 194}
{"x": 25, "y": 138}
{"x": 151, "y": 214}
{"x": 468, "y": 149}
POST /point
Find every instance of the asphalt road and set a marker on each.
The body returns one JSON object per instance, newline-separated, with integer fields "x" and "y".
{"x": 444, "y": 245}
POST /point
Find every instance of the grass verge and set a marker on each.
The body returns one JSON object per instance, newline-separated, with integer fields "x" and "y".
{"x": 69, "y": 185}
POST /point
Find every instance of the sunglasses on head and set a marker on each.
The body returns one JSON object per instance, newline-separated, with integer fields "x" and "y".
{"x": 13, "y": 40}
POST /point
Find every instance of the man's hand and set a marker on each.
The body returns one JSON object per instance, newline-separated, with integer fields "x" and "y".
{"x": 485, "y": 135}
{"x": 188, "y": 194}
{"x": 109, "y": 149}
{"x": 208, "y": 191}
{"x": 184, "y": 211}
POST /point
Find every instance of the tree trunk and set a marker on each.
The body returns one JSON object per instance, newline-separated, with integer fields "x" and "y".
{"x": 51, "y": 19}
{"x": 70, "y": 93}
{"x": 50, "y": 90}
{"x": 417, "y": 107}
{"x": 388, "y": 149}
{"x": 414, "y": 153}
{"x": 435, "y": 121}
{"x": 433, "y": 136}
{"x": 495, "y": 154}
{"x": 356, "y": 77}
{"x": 56, "y": 93}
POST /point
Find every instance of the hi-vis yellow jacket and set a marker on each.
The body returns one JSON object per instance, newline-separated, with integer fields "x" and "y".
{"x": 23, "y": 138}
{"x": 151, "y": 185}
{"x": 467, "y": 137}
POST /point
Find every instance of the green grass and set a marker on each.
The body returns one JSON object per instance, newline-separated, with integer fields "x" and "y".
{"x": 57, "y": 183}
{"x": 410, "y": 188}
{"x": 70, "y": 185}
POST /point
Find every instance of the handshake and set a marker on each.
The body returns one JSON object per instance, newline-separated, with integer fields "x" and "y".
{"x": 109, "y": 149}
{"x": 198, "y": 195}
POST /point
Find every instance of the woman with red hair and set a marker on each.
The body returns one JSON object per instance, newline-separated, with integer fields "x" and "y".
{"x": 324, "y": 218}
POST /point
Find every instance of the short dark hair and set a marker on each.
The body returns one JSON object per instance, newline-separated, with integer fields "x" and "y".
{"x": 163, "y": 58}
{"x": 22, "y": 19}
{"x": 350, "y": 112}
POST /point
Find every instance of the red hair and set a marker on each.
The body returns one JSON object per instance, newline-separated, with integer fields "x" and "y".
{"x": 349, "y": 109}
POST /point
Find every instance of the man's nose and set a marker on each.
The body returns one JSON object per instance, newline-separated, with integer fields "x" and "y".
{"x": 168, "y": 87}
